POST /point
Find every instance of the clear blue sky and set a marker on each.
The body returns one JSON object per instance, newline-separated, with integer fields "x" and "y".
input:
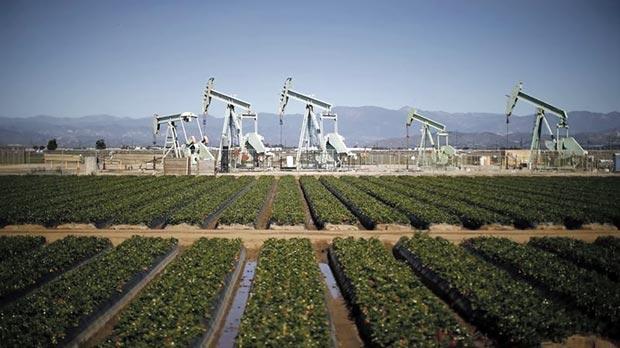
{"x": 134, "y": 58}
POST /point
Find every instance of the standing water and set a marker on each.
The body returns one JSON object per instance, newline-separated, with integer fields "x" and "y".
{"x": 330, "y": 280}
{"x": 233, "y": 319}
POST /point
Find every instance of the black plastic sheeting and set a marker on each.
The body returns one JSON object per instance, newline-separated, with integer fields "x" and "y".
{"x": 348, "y": 292}
{"x": 86, "y": 321}
{"x": 219, "y": 304}
{"x": 452, "y": 296}
{"x": 318, "y": 222}
{"x": 364, "y": 219}
{"x": 216, "y": 214}
{"x": 14, "y": 295}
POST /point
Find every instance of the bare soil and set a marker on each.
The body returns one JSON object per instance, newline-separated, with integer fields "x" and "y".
{"x": 262, "y": 220}
{"x": 255, "y": 238}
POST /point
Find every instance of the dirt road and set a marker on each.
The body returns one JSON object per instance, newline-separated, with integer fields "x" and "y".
{"x": 255, "y": 238}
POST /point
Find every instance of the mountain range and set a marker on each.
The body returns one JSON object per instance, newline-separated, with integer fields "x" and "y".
{"x": 361, "y": 126}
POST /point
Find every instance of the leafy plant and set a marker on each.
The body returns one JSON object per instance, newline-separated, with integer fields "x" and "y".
{"x": 587, "y": 290}
{"x": 27, "y": 270}
{"x": 51, "y": 314}
{"x": 393, "y": 308}
{"x": 324, "y": 207}
{"x": 590, "y": 256}
{"x": 512, "y": 311}
{"x": 14, "y": 246}
{"x": 246, "y": 208}
{"x": 287, "y": 205}
{"x": 173, "y": 309}
{"x": 369, "y": 211}
{"x": 286, "y": 307}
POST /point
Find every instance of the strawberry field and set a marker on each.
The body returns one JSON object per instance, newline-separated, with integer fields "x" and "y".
{"x": 420, "y": 292}
{"x": 365, "y": 202}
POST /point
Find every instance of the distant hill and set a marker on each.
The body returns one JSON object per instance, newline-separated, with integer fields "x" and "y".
{"x": 361, "y": 126}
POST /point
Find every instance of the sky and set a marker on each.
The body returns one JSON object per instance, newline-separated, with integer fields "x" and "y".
{"x": 136, "y": 58}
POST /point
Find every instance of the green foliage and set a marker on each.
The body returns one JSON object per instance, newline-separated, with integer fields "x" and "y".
{"x": 288, "y": 208}
{"x": 100, "y": 144}
{"x": 325, "y": 208}
{"x": 52, "y": 144}
{"x": 512, "y": 311}
{"x": 590, "y": 256}
{"x": 395, "y": 307}
{"x": 30, "y": 268}
{"x": 421, "y": 214}
{"x": 46, "y": 316}
{"x": 587, "y": 290}
{"x": 369, "y": 210}
{"x": 15, "y": 246}
{"x": 246, "y": 208}
{"x": 609, "y": 242}
{"x": 173, "y": 308}
{"x": 287, "y": 300}
{"x": 195, "y": 211}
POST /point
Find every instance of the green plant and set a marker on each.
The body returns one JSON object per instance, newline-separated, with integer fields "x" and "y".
{"x": 173, "y": 309}
{"x": 286, "y": 307}
{"x": 287, "y": 205}
{"x": 394, "y": 308}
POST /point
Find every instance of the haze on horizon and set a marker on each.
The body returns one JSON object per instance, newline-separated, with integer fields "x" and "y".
{"x": 75, "y": 58}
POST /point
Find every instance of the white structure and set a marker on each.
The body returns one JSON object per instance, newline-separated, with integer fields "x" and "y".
{"x": 563, "y": 144}
{"x": 233, "y": 126}
{"x": 190, "y": 148}
{"x": 311, "y": 136}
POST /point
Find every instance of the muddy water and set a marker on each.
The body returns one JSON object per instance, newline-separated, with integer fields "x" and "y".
{"x": 330, "y": 280}
{"x": 233, "y": 319}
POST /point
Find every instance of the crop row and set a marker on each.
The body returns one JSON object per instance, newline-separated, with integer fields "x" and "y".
{"x": 14, "y": 246}
{"x": 26, "y": 271}
{"x": 609, "y": 242}
{"x": 287, "y": 205}
{"x": 324, "y": 207}
{"x": 470, "y": 216}
{"x": 587, "y": 255}
{"x": 246, "y": 208}
{"x": 513, "y": 312}
{"x": 173, "y": 309}
{"x": 52, "y": 314}
{"x": 197, "y": 209}
{"x": 392, "y": 306}
{"x": 587, "y": 290}
{"x": 368, "y": 210}
{"x": 287, "y": 301}
{"x": 420, "y": 213}
{"x": 578, "y": 207}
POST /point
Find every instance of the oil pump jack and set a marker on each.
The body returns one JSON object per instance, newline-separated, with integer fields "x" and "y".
{"x": 441, "y": 153}
{"x": 196, "y": 150}
{"x": 563, "y": 145}
{"x": 233, "y": 127}
{"x": 311, "y": 136}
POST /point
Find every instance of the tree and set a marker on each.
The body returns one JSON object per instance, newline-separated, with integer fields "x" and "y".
{"x": 41, "y": 147}
{"x": 52, "y": 144}
{"x": 100, "y": 144}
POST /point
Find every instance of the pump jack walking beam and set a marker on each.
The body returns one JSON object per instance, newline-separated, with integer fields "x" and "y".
{"x": 233, "y": 126}
{"x": 542, "y": 108}
{"x": 311, "y": 133}
{"x": 427, "y": 124}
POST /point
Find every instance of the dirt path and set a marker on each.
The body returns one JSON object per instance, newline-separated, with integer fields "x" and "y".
{"x": 309, "y": 223}
{"x": 262, "y": 220}
{"x": 254, "y": 238}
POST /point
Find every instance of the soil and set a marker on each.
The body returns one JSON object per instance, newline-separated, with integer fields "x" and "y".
{"x": 262, "y": 220}
{"x": 309, "y": 223}
{"x": 255, "y": 238}
{"x": 333, "y": 227}
{"x": 288, "y": 227}
{"x": 392, "y": 227}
